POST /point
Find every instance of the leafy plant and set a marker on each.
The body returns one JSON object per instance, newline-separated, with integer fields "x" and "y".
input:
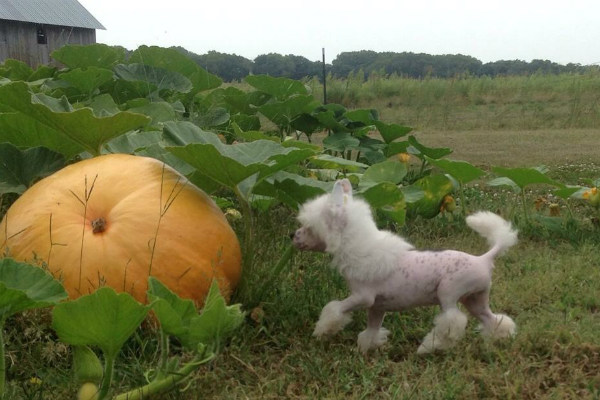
{"x": 519, "y": 178}
{"x": 105, "y": 319}
{"x": 23, "y": 287}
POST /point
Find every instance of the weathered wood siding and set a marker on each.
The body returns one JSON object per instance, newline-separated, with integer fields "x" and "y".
{"x": 19, "y": 40}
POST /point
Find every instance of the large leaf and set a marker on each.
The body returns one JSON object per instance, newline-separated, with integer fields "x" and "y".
{"x": 179, "y": 317}
{"x": 88, "y": 79}
{"x": 231, "y": 164}
{"x": 341, "y": 142}
{"x": 391, "y": 132}
{"x": 173, "y": 60}
{"x": 462, "y": 171}
{"x": 181, "y": 133}
{"x": 173, "y": 312}
{"x": 435, "y": 188}
{"x": 329, "y": 116}
{"x": 42, "y": 121}
{"x": 15, "y": 70}
{"x": 134, "y": 141}
{"x": 387, "y": 171}
{"x": 159, "y": 78}
{"x": 19, "y": 169}
{"x": 217, "y": 320}
{"x": 387, "y": 198}
{"x": 23, "y": 287}
{"x": 524, "y": 176}
{"x": 421, "y": 150}
{"x": 292, "y": 189}
{"x": 159, "y": 111}
{"x": 330, "y": 162}
{"x": 278, "y": 87}
{"x": 95, "y": 55}
{"x": 104, "y": 319}
{"x": 283, "y": 113}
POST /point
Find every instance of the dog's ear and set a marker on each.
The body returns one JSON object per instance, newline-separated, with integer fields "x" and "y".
{"x": 342, "y": 192}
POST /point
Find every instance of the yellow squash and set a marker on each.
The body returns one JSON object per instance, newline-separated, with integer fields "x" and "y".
{"x": 117, "y": 219}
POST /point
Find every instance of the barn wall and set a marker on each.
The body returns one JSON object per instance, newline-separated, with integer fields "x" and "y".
{"x": 19, "y": 40}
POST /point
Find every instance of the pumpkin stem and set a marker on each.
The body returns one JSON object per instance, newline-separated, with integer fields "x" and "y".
{"x": 98, "y": 225}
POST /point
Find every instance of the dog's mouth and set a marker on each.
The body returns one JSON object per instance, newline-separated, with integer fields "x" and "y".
{"x": 304, "y": 243}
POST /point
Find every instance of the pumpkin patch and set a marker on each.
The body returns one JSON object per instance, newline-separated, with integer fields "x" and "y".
{"x": 115, "y": 220}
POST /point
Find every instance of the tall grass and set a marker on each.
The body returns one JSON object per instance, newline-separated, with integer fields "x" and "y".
{"x": 538, "y": 101}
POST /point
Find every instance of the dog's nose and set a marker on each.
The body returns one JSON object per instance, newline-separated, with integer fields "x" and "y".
{"x": 292, "y": 235}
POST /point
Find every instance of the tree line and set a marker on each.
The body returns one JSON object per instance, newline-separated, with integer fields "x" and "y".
{"x": 231, "y": 67}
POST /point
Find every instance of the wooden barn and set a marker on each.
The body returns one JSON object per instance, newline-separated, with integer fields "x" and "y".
{"x": 30, "y": 30}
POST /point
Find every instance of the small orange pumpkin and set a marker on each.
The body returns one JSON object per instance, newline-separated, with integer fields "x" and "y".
{"x": 117, "y": 219}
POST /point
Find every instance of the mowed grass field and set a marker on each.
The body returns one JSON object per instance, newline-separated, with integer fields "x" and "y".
{"x": 549, "y": 282}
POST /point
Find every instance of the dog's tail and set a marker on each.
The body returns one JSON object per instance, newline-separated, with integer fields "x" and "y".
{"x": 498, "y": 232}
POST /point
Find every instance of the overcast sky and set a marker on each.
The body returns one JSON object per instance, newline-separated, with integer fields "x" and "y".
{"x": 561, "y": 31}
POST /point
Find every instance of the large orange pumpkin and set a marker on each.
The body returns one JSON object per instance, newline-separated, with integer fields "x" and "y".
{"x": 116, "y": 219}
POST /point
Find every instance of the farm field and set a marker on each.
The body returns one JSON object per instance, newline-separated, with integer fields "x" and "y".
{"x": 549, "y": 283}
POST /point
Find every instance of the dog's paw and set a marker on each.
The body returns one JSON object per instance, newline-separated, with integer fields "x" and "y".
{"x": 502, "y": 326}
{"x": 332, "y": 320}
{"x": 372, "y": 339}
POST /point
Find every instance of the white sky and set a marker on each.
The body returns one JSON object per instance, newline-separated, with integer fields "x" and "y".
{"x": 562, "y": 31}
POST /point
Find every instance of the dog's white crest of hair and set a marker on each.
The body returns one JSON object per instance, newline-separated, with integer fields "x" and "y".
{"x": 346, "y": 225}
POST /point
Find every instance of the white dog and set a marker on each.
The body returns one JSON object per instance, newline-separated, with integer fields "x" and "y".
{"x": 385, "y": 273}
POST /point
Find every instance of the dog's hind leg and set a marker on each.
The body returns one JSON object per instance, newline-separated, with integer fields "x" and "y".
{"x": 374, "y": 336}
{"x": 449, "y": 327}
{"x": 492, "y": 325}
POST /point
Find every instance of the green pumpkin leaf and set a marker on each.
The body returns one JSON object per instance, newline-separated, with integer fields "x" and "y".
{"x": 133, "y": 142}
{"x": 329, "y": 116}
{"x": 104, "y": 319}
{"x": 103, "y": 105}
{"x": 341, "y": 142}
{"x": 570, "y": 191}
{"x": 19, "y": 169}
{"x": 173, "y": 312}
{"x": 391, "y": 132}
{"x": 94, "y": 55}
{"x": 462, "y": 171}
{"x": 38, "y": 121}
{"x": 216, "y": 321}
{"x": 24, "y": 287}
{"x": 420, "y": 150}
{"x": 435, "y": 188}
{"x": 523, "y": 177}
{"x": 278, "y": 87}
{"x": 159, "y": 111}
{"x": 388, "y": 199}
{"x": 159, "y": 78}
{"x": 229, "y": 165}
{"x": 179, "y": 317}
{"x": 15, "y": 70}
{"x": 293, "y": 189}
{"x": 387, "y": 171}
{"x": 87, "y": 80}
{"x": 284, "y": 113}
{"x": 173, "y": 60}
{"x": 330, "y": 162}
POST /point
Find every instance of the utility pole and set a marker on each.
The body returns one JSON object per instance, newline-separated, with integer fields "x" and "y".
{"x": 324, "y": 79}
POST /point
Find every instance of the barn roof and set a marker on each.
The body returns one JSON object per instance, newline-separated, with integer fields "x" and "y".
{"x": 50, "y": 12}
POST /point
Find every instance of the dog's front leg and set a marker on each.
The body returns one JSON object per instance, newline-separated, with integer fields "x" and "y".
{"x": 336, "y": 314}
